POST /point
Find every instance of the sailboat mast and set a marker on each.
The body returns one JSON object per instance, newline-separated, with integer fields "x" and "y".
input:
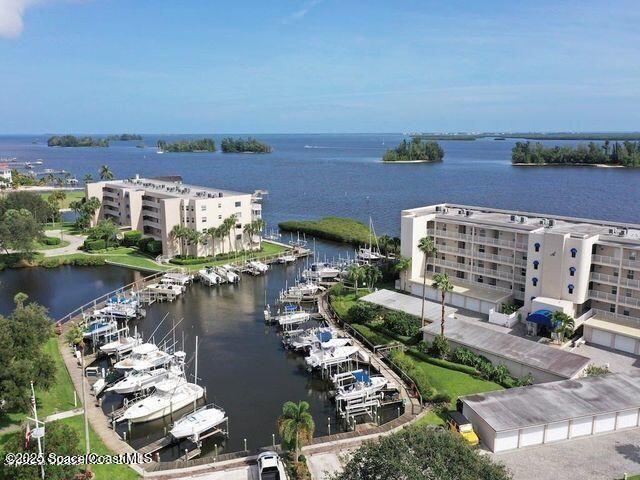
{"x": 195, "y": 380}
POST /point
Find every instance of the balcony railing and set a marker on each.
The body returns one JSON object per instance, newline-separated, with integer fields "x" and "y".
{"x": 615, "y": 316}
{"x": 493, "y": 273}
{"x": 605, "y": 260}
{"x": 635, "y": 264}
{"x": 630, "y": 301}
{"x": 597, "y": 294}
{"x": 494, "y": 257}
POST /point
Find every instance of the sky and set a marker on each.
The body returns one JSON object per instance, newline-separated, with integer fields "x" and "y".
{"x": 298, "y": 66}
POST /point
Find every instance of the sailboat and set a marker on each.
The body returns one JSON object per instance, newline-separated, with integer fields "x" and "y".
{"x": 368, "y": 254}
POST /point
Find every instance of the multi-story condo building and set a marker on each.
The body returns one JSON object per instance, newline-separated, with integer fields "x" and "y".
{"x": 589, "y": 269}
{"x": 156, "y": 206}
{"x": 5, "y": 176}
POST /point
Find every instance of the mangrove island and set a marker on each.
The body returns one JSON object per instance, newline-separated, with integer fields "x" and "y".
{"x": 203, "y": 145}
{"x": 416, "y": 150}
{"x": 125, "y": 137}
{"x": 624, "y": 154}
{"x": 73, "y": 141}
{"x": 241, "y": 145}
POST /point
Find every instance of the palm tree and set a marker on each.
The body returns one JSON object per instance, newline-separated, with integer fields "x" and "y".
{"x": 563, "y": 325}
{"x": 441, "y": 282}
{"x": 428, "y": 248}
{"x": 106, "y": 173}
{"x": 88, "y": 178}
{"x": 296, "y": 425}
{"x": 178, "y": 232}
{"x": 401, "y": 266}
{"x": 19, "y": 299}
{"x": 355, "y": 274}
{"x": 372, "y": 275}
{"x": 250, "y": 230}
{"x": 75, "y": 336}
{"x": 229, "y": 226}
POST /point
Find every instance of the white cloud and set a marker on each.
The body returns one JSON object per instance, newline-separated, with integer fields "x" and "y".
{"x": 306, "y": 8}
{"x": 11, "y": 16}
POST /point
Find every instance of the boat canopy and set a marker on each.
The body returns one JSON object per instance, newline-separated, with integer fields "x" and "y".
{"x": 362, "y": 377}
{"x": 542, "y": 317}
{"x": 324, "y": 336}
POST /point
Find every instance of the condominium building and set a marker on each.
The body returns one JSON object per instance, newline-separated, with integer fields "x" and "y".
{"x": 5, "y": 176}
{"x": 156, "y": 206}
{"x": 589, "y": 269}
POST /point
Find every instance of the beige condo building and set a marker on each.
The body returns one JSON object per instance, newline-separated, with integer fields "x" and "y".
{"x": 155, "y": 206}
{"x": 589, "y": 269}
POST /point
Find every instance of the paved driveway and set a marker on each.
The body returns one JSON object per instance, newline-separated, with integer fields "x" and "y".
{"x": 602, "y": 457}
{"x": 322, "y": 463}
{"x": 242, "y": 473}
{"x": 75, "y": 241}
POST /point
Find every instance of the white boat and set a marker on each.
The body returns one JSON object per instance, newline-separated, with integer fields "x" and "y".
{"x": 137, "y": 380}
{"x": 100, "y": 327}
{"x": 361, "y": 385}
{"x": 292, "y": 317}
{"x": 367, "y": 254}
{"x": 301, "y": 292}
{"x": 208, "y": 276}
{"x": 228, "y": 274}
{"x": 170, "y": 289}
{"x": 169, "y": 397}
{"x": 307, "y": 338}
{"x": 118, "y": 311}
{"x": 259, "y": 266}
{"x": 287, "y": 258}
{"x": 195, "y": 424}
{"x": 121, "y": 345}
{"x": 177, "y": 278}
{"x": 321, "y": 271}
{"x": 144, "y": 357}
{"x": 330, "y": 356}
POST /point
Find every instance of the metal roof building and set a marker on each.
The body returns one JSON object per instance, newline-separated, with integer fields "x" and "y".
{"x": 555, "y": 411}
{"x": 519, "y": 355}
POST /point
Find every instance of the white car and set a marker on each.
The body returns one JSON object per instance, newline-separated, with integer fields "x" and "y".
{"x": 270, "y": 467}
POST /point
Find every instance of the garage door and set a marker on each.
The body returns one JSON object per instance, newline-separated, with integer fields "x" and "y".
{"x": 627, "y": 418}
{"x": 505, "y": 441}
{"x": 531, "y": 436}
{"x": 557, "y": 431}
{"x": 485, "y": 307}
{"x": 601, "y": 338}
{"x": 605, "y": 423}
{"x": 625, "y": 344}
{"x": 473, "y": 304}
{"x": 581, "y": 427}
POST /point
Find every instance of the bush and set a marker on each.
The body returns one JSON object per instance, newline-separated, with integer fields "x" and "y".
{"x": 406, "y": 364}
{"x": 440, "y": 347}
{"x": 190, "y": 260}
{"x": 85, "y": 261}
{"x": 443, "y": 363}
{"x": 51, "y": 241}
{"x": 93, "y": 245}
{"x": 363, "y": 313}
{"x": 401, "y": 323}
{"x": 132, "y": 238}
{"x": 154, "y": 247}
{"x": 142, "y": 243}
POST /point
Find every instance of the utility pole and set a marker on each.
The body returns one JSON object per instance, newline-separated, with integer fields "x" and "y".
{"x": 35, "y": 415}
{"x": 84, "y": 409}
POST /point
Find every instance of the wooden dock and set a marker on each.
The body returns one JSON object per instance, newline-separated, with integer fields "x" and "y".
{"x": 157, "y": 445}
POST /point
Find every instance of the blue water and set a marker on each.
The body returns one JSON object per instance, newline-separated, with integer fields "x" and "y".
{"x": 310, "y": 176}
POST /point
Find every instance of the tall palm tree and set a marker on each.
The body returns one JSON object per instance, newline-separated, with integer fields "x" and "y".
{"x": 229, "y": 224}
{"x": 88, "y": 178}
{"x": 429, "y": 250}
{"x": 75, "y": 335}
{"x": 563, "y": 325}
{"x": 250, "y": 230}
{"x": 296, "y": 425}
{"x": 106, "y": 173}
{"x": 355, "y": 274}
{"x": 401, "y": 266}
{"x": 442, "y": 282}
{"x": 372, "y": 275}
{"x": 178, "y": 232}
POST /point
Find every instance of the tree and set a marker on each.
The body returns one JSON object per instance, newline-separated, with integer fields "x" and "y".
{"x": 60, "y": 439}
{"x": 229, "y": 224}
{"x": 105, "y": 230}
{"x": 401, "y": 265}
{"x": 371, "y": 274}
{"x": 420, "y": 453}
{"x": 442, "y": 282}
{"x": 178, "y": 232}
{"x": 31, "y": 201}
{"x": 88, "y": 178}
{"x": 75, "y": 336}
{"x": 254, "y": 228}
{"x": 355, "y": 274}
{"x": 19, "y": 231}
{"x": 106, "y": 173}
{"x": 19, "y": 299}
{"x": 429, "y": 250}
{"x": 296, "y": 425}
{"x": 55, "y": 199}
{"x": 563, "y": 325}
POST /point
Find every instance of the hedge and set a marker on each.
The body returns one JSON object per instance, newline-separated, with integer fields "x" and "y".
{"x": 154, "y": 247}
{"x": 92, "y": 245}
{"x": 444, "y": 363}
{"x": 142, "y": 243}
{"x": 131, "y": 239}
{"x": 88, "y": 261}
{"x": 51, "y": 241}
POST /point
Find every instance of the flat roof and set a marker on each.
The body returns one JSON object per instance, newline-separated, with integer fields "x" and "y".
{"x": 577, "y": 227}
{"x": 171, "y": 189}
{"x": 557, "y": 401}
{"x": 536, "y": 355}
{"x": 408, "y": 304}
{"x": 467, "y": 290}
{"x": 628, "y": 328}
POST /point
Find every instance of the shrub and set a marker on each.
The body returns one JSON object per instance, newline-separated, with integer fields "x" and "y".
{"x": 440, "y": 347}
{"x": 154, "y": 247}
{"x": 363, "y": 312}
{"x": 132, "y": 238}
{"x": 440, "y": 397}
{"x": 336, "y": 290}
{"x": 444, "y": 363}
{"x": 401, "y": 323}
{"x": 594, "y": 370}
{"x": 142, "y": 243}
{"x": 51, "y": 241}
{"x": 93, "y": 245}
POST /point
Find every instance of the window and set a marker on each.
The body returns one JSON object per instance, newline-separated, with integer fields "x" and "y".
{"x": 219, "y": 217}
{"x": 625, "y": 313}
{"x": 614, "y": 290}
{"x": 574, "y": 252}
{"x": 481, "y": 248}
{"x": 535, "y": 264}
{"x": 204, "y": 219}
{"x": 239, "y": 236}
{"x": 238, "y": 204}
{"x": 632, "y": 255}
{"x": 570, "y": 287}
{"x": 203, "y": 208}
{"x": 219, "y": 205}
{"x": 612, "y": 309}
{"x": 536, "y": 246}
{"x": 572, "y": 272}
{"x": 534, "y": 280}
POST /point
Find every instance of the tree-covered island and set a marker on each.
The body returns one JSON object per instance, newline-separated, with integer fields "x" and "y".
{"x": 241, "y": 145}
{"x": 416, "y": 150}
{"x": 125, "y": 137}
{"x": 624, "y": 154}
{"x": 203, "y": 145}
{"x": 73, "y": 141}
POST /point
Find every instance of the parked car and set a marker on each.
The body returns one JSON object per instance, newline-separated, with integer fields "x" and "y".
{"x": 459, "y": 424}
{"x": 270, "y": 467}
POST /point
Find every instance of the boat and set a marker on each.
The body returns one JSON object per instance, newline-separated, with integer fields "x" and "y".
{"x": 368, "y": 255}
{"x": 305, "y": 291}
{"x": 100, "y": 327}
{"x": 183, "y": 279}
{"x": 170, "y": 289}
{"x": 259, "y": 266}
{"x": 121, "y": 311}
{"x": 359, "y": 385}
{"x": 291, "y": 316}
{"x": 228, "y": 274}
{"x": 330, "y": 356}
{"x": 321, "y": 271}
{"x": 313, "y": 338}
{"x": 286, "y": 258}
{"x": 208, "y": 276}
{"x": 170, "y": 396}
{"x": 120, "y": 346}
{"x": 138, "y": 380}
{"x": 193, "y": 425}
{"x": 144, "y": 357}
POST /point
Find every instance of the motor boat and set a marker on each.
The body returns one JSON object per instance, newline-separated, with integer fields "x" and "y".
{"x": 177, "y": 278}
{"x": 361, "y": 385}
{"x": 321, "y": 271}
{"x": 228, "y": 274}
{"x": 171, "y": 289}
{"x": 291, "y": 316}
{"x": 193, "y": 425}
{"x": 259, "y": 266}
{"x": 287, "y": 258}
{"x": 170, "y": 396}
{"x": 208, "y": 276}
{"x": 330, "y": 356}
{"x": 118, "y": 311}
{"x": 305, "y": 339}
{"x": 100, "y": 327}
{"x": 138, "y": 380}
{"x": 144, "y": 357}
{"x": 121, "y": 346}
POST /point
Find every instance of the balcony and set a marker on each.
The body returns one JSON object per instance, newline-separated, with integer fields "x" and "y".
{"x": 603, "y": 278}
{"x": 501, "y": 274}
{"x": 635, "y": 264}
{"x": 494, "y": 241}
{"x": 449, "y": 234}
{"x": 598, "y": 295}
{"x": 602, "y": 260}
{"x": 450, "y": 264}
{"x": 629, "y": 301}
{"x": 493, "y": 257}
{"x": 614, "y": 316}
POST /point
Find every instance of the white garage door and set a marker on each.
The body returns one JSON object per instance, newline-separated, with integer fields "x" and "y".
{"x": 473, "y": 304}
{"x": 557, "y": 431}
{"x": 485, "y": 307}
{"x": 605, "y": 423}
{"x": 627, "y": 418}
{"x": 531, "y": 436}
{"x": 601, "y": 338}
{"x": 505, "y": 441}
{"x": 581, "y": 427}
{"x": 626, "y": 344}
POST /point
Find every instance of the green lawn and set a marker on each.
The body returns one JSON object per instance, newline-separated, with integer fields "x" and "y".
{"x": 376, "y": 338}
{"x": 337, "y": 229}
{"x": 431, "y": 418}
{"x": 136, "y": 260}
{"x": 342, "y": 303}
{"x": 268, "y": 249}
{"x": 66, "y": 227}
{"x": 71, "y": 196}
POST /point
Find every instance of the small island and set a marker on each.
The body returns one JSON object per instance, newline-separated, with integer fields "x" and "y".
{"x": 73, "y": 141}
{"x": 182, "y": 146}
{"x": 416, "y": 151}
{"x": 624, "y": 154}
{"x": 241, "y": 145}
{"x": 125, "y": 137}
{"x": 336, "y": 229}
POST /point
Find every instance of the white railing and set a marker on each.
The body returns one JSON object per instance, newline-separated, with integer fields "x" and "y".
{"x": 494, "y": 257}
{"x": 630, "y": 301}
{"x": 609, "y": 297}
{"x": 615, "y": 316}
{"x": 631, "y": 264}
{"x": 522, "y": 246}
{"x": 605, "y": 260}
{"x": 494, "y": 273}
{"x": 449, "y": 234}
{"x": 495, "y": 241}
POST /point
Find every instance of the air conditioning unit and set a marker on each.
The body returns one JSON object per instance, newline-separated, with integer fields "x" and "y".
{"x": 438, "y": 208}
{"x": 512, "y": 218}
{"x": 523, "y": 219}
{"x": 613, "y": 231}
{"x": 552, "y": 222}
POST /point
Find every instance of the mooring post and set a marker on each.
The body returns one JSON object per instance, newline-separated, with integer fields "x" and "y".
{"x": 245, "y": 445}
{"x": 329, "y": 425}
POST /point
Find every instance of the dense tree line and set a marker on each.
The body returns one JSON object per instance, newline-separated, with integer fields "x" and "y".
{"x": 203, "y": 145}
{"x": 625, "y": 153}
{"x": 415, "y": 150}
{"x": 242, "y": 145}
{"x": 73, "y": 141}
{"x": 125, "y": 137}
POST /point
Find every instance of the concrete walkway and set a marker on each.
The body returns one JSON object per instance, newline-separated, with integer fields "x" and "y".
{"x": 75, "y": 241}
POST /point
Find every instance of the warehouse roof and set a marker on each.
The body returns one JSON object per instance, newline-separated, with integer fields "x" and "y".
{"x": 517, "y": 349}
{"x": 556, "y": 401}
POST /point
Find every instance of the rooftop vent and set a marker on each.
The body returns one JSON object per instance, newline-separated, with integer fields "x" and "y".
{"x": 513, "y": 218}
{"x": 523, "y": 219}
{"x": 552, "y": 222}
{"x": 613, "y": 231}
